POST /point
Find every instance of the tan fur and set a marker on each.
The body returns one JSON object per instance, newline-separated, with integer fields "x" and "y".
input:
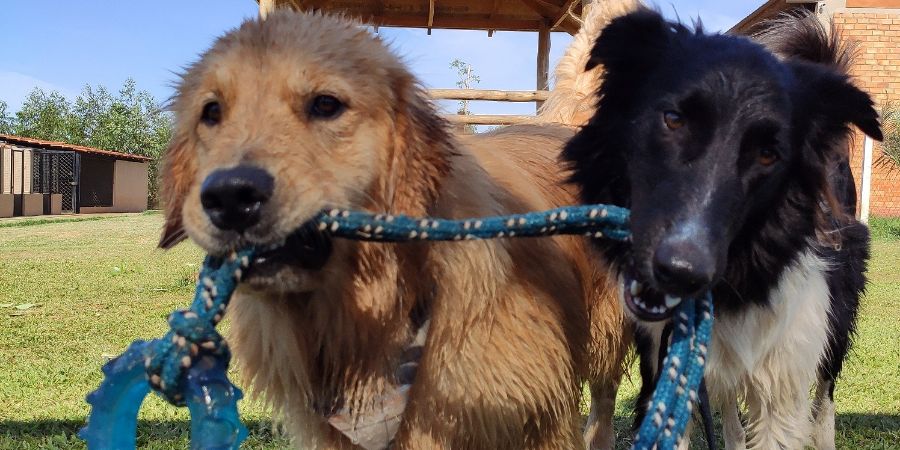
{"x": 516, "y": 325}
{"x": 573, "y": 97}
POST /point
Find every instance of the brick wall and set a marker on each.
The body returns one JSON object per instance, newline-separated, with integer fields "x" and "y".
{"x": 877, "y": 70}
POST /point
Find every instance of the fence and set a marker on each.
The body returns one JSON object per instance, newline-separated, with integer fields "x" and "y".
{"x": 488, "y": 95}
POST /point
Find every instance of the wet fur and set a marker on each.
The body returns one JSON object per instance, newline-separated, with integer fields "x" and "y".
{"x": 516, "y": 325}
{"x": 793, "y": 258}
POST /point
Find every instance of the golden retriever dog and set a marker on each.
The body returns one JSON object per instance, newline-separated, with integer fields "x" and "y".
{"x": 299, "y": 112}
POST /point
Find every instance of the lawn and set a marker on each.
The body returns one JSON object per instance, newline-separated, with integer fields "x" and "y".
{"x": 74, "y": 293}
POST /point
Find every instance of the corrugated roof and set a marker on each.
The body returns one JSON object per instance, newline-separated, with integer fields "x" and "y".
{"x": 54, "y": 145}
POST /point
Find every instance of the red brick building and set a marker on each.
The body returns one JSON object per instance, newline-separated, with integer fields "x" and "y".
{"x": 875, "y": 26}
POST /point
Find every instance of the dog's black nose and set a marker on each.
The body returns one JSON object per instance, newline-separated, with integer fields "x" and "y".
{"x": 682, "y": 267}
{"x": 232, "y": 198}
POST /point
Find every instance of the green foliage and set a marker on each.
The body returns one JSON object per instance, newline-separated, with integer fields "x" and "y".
{"x": 44, "y": 116}
{"x": 890, "y": 147}
{"x": 467, "y": 79}
{"x": 6, "y": 121}
{"x": 130, "y": 121}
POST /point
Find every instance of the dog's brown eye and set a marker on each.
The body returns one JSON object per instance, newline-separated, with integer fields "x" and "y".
{"x": 673, "y": 120}
{"x": 212, "y": 113}
{"x": 767, "y": 157}
{"x": 325, "y": 107}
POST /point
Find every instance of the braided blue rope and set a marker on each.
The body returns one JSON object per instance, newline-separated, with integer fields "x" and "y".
{"x": 188, "y": 365}
{"x": 680, "y": 376}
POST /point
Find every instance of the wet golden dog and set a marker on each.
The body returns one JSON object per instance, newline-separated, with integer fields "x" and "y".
{"x": 285, "y": 117}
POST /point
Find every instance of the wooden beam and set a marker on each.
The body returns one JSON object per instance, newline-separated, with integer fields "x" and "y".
{"x": 563, "y": 13}
{"x": 486, "y": 119}
{"x": 543, "y": 59}
{"x": 462, "y": 23}
{"x": 265, "y": 8}
{"x": 586, "y": 6}
{"x": 488, "y": 95}
{"x": 430, "y": 15}
{"x": 543, "y": 9}
{"x": 494, "y": 9}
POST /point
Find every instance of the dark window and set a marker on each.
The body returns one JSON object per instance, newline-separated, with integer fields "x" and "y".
{"x": 96, "y": 181}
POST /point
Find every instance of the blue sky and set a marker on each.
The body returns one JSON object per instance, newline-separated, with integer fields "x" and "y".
{"x": 63, "y": 45}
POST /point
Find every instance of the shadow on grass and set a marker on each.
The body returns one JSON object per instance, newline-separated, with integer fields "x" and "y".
{"x": 853, "y": 430}
{"x": 157, "y": 432}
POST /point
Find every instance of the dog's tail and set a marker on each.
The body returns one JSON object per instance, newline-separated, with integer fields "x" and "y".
{"x": 571, "y": 101}
{"x": 799, "y": 34}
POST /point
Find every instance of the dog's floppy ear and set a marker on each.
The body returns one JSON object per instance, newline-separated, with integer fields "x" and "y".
{"x": 837, "y": 101}
{"x": 178, "y": 171}
{"x": 633, "y": 42}
{"x": 421, "y": 146}
{"x": 849, "y": 104}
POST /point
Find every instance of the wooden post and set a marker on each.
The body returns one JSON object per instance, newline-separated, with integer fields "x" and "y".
{"x": 865, "y": 181}
{"x": 266, "y": 7}
{"x": 543, "y": 59}
{"x": 585, "y": 7}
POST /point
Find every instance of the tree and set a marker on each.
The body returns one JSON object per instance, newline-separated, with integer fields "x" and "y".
{"x": 7, "y": 122}
{"x": 44, "y": 116}
{"x": 467, "y": 79}
{"x": 131, "y": 121}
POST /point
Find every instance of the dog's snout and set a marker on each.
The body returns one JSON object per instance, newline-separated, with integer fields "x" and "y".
{"x": 683, "y": 266}
{"x": 232, "y": 198}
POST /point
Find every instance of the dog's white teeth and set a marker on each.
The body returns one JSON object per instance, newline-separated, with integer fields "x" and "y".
{"x": 636, "y": 288}
{"x": 672, "y": 302}
{"x": 639, "y": 302}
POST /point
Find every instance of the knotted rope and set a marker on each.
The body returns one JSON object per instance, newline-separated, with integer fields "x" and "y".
{"x": 188, "y": 365}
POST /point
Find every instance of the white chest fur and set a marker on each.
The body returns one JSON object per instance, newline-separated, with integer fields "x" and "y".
{"x": 764, "y": 346}
{"x": 768, "y": 356}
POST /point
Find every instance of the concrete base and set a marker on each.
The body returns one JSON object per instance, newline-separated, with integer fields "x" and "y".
{"x": 6, "y": 205}
{"x": 55, "y": 203}
{"x": 33, "y": 204}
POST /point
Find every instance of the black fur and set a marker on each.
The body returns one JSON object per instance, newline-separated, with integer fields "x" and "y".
{"x": 760, "y": 218}
{"x": 846, "y": 282}
{"x": 711, "y": 178}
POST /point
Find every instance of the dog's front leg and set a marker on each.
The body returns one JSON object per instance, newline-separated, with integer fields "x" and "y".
{"x": 735, "y": 438}
{"x": 778, "y": 415}
{"x": 823, "y": 414}
{"x": 599, "y": 433}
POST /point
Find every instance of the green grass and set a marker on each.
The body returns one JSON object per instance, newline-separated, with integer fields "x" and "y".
{"x": 16, "y": 223}
{"x": 885, "y": 228}
{"x": 73, "y": 293}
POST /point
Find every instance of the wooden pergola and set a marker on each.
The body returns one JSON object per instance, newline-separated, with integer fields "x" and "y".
{"x": 540, "y": 16}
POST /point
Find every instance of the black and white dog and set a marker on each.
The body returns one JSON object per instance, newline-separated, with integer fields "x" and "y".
{"x": 733, "y": 162}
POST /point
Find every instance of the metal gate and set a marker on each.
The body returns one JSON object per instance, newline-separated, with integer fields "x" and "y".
{"x": 55, "y": 173}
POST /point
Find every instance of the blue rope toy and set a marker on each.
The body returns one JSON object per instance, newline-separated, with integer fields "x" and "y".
{"x": 188, "y": 365}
